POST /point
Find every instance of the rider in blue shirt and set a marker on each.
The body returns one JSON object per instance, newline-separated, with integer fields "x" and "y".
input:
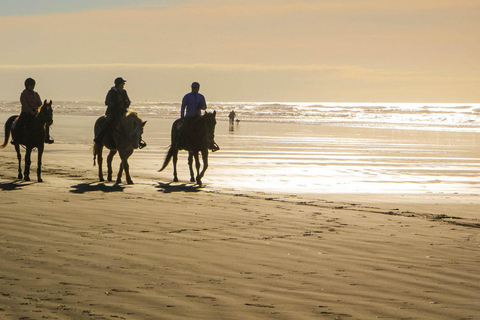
{"x": 192, "y": 105}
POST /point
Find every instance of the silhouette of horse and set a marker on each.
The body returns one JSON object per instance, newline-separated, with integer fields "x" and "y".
{"x": 126, "y": 136}
{"x": 198, "y": 137}
{"x": 32, "y": 137}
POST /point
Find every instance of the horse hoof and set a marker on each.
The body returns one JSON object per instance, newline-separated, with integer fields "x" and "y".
{"x": 175, "y": 179}
{"x": 130, "y": 182}
{"x": 192, "y": 180}
{"x": 20, "y": 177}
{"x": 40, "y": 180}
{"x": 27, "y": 179}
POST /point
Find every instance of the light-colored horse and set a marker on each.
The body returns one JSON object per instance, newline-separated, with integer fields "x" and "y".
{"x": 126, "y": 136}
{"x": 32, "y": 137}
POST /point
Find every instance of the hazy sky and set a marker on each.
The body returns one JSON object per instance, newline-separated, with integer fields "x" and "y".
{"x": 249, "y": 50}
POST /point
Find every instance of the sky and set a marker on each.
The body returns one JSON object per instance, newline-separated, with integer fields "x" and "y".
{"x": 249, "y": 50}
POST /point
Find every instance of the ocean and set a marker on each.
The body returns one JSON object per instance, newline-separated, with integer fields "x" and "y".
{"x": 464, "y": 117}
{"x": 314, "y": 148}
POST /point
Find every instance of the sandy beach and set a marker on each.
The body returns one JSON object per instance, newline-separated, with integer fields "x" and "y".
{"x": 352, "y": 238}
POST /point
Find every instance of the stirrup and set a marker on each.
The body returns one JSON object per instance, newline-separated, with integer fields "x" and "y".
{"x": 49, "y": 141}
{"x": 142, "y": 144}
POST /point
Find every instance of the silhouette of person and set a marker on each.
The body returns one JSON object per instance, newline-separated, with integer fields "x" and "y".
{"x": 30, "y": 101}
{"x": 117, "y": 102}
{"x": 231, "y": 116}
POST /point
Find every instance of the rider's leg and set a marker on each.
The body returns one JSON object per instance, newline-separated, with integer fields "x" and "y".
{"x": 48, "y": 139}
{"x": 23, "y": 120}
{"x": 106, "y": 127}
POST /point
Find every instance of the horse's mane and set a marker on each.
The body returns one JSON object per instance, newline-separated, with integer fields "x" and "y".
{"x": 44, "y": 103}
{"x": 129, "y": 120}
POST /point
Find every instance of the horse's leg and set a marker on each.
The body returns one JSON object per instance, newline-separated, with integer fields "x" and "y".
{"x": 39, "y": 163}
{"x": 126, "y": 166}
{"x": 190, "y": 166}
{"x": 175, "y": 158}
{"x": 205, "y": 165}
{"x": 120, "y": 173}
{"x": 28, "y": 161}
{"x": 124, "y": 155}
{"x": 197, "y": 166}
{"x": 99, "y": 152}
{"x": 110, "y": 156}
{"x": 19, "y": 158}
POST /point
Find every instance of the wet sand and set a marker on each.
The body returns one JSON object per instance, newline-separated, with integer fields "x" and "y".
{"x": 372, "y": 235}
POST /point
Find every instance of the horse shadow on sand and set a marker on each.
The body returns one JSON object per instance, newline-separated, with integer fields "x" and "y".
{"x": 178, "y": 187}
{"x": 94, "y": 186}
{"x": 14, "y": 185}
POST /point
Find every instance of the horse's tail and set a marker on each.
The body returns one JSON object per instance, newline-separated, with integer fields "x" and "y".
{"x": 169, "y": 156}
{"x": 8, "y": 128}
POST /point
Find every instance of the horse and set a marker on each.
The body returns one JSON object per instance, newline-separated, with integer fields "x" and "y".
{"x": 32, "y": 137}
{"x": 198, "y": 138}
{"x": 126, "y": 136}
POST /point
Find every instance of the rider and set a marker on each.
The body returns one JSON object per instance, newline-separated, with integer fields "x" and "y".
{"x": 117, "y": 103}
{"x": 30, "y": 101}
{"x": 192, "y": 105}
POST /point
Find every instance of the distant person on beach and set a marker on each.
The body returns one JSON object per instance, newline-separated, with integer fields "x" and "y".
{"x": 30, "y": 101}
{"x": 192, "y": 105}
{"x": 117, "y": 103}
{"x": 231, "y": 116}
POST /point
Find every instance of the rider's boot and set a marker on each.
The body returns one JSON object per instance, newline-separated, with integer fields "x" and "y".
{"x": 48, "y": 139}
{"x": 214, "y": 146}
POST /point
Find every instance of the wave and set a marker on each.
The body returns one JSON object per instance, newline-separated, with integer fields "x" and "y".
{"x": 424, "y": 116}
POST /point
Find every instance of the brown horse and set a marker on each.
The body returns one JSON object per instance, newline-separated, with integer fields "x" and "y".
{"x": 126, "y": 136}
{"x": 32, "y": 137}
{"x": 198, "y": 138}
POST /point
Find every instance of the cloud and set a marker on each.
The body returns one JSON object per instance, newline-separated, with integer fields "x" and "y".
{"x": 345, "y": 71}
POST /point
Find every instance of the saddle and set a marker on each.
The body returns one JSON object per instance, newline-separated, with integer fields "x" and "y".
{"x": 19, "y": 134}
{"x": 188, "y": 132}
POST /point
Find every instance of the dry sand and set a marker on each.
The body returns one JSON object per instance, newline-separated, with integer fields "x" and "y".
{"x": 74, "y": 248}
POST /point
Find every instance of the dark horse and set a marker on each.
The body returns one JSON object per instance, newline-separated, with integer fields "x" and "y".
{"x": 198, "y": 138}
{"x": 32, "y": 137}
{"x": 126, "y": 136}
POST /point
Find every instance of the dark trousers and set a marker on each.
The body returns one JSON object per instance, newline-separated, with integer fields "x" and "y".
{"x": 107, "y": 127}
{"x": 25, "y": 120}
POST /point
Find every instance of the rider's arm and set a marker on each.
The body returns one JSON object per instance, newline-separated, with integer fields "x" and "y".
{"x": 109, "y": 99}
{"x": 184, "y": 104}
{"x": 127, "y": 99}
{"x": 30, "y": 102}
{"x": 202, "y": 104}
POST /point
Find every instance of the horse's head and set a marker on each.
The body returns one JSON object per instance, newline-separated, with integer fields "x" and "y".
{"x": 209, "y": 122}
{"x": 134, "y": 128}
{"x": 45, "y": 113}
